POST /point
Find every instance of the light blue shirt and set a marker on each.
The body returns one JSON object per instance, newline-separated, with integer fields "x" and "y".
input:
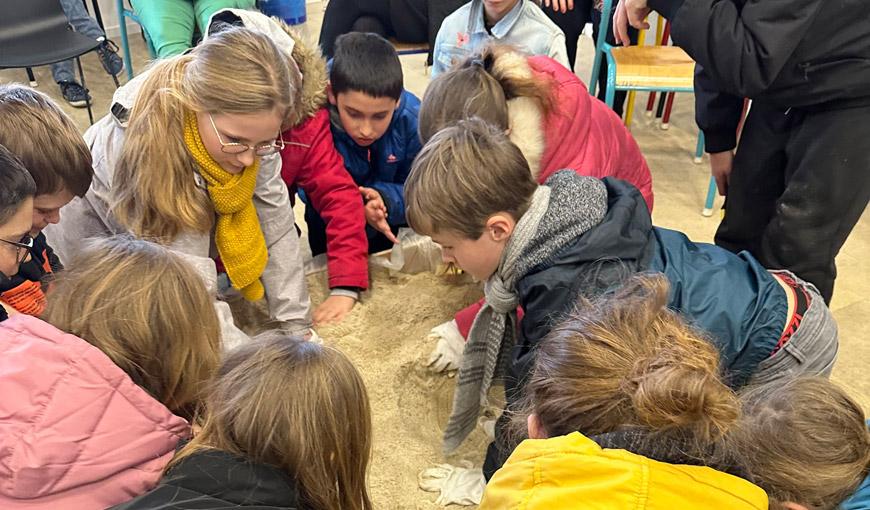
{"x": 525, "y": 26}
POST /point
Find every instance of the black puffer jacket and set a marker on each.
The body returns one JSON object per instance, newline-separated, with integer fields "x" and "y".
{"x": 800, "y": 53}
{"x": 212, "y": 480}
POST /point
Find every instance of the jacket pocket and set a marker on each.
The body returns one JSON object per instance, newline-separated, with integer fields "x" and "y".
{"x": 449, "y": 54}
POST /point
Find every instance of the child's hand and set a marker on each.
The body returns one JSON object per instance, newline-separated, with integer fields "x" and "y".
{"x": 334, "y": 309}
{"x": 376, "y": 212}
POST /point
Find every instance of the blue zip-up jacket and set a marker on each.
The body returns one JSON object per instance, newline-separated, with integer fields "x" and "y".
{"x": 385, "y": 164}
{"x": 732, "y": 297}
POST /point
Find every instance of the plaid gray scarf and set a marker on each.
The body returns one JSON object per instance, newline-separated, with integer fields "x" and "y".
{"x": 565, "y": 207}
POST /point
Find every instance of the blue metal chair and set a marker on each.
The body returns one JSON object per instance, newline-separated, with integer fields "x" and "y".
{"x": 125, "y": 12}
{"x": 711, "y": 188}
{"x": 646, "y": 68}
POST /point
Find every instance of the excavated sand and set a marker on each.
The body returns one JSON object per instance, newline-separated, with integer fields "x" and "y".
{"x": 385, "y": 336}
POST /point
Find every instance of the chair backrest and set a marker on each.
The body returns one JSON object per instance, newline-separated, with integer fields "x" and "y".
{"x": 21, "y": 18}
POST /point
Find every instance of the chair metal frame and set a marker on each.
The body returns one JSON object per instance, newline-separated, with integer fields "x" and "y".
{"x": 28, "y": 66}
{"x": 604, "y": 49}
{"x": 124, "y": 12}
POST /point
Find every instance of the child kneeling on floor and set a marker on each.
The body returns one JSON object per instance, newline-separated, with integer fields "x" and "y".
{"x": 287, "y": 426}
{"x": 624, "y": 408}
{"x": 543, "y": 247}
{"x": 374, "y": 128}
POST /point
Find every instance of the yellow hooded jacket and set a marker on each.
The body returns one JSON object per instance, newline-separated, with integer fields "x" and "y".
{"x": 574, "y": 472}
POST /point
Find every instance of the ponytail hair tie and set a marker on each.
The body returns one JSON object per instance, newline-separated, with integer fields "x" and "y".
{"x": 478, "y": 62}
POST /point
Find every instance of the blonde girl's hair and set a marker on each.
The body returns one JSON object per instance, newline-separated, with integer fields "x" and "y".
{"x": 802, "y": 440}
{"x": 296, "y": 405}
{"x": 236, "y": 71}
{"x": 147, "y": 310}
{"x": 626, "y": 361}
{"x": 481, "y": 86}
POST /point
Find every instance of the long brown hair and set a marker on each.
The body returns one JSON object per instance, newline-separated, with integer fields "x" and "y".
{"x": 147, "y": 310}
{"x": 481, "y": 86}
{"x": 626, "y": 360}
{"x": 235, "y": 71}
{"x": 802, "y": 440}
{"x": 297, "y": 405}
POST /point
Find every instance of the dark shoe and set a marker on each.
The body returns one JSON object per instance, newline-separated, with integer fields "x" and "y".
{"x": 108, "y": 52}
{"x": 74, "y": 93}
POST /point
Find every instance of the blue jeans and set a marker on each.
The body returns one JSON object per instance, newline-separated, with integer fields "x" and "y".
{"x": 82, "y": 23}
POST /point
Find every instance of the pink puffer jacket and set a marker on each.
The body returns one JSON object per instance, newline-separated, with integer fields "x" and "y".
{"x": 75, "y": 431}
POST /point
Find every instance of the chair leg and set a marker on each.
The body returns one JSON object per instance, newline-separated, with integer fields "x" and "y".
{"x": 32, "y": 78}
{"x": 711, "y": 195}
{"x": 660, "y": 109}
{"x": 699, "y": 148}
{"x": 85, "y": 86}
{"x": 610, "y": 93}
{"x": 629, "y": 109}
{"x": 125, "y": 42}
{"x": 668, "y": 107}
{"x": 650, "y": 103}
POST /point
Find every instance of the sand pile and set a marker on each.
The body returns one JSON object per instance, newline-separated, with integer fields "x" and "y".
{"x": 385, "y": 336}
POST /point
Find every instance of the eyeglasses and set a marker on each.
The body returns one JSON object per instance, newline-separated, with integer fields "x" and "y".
{"x": 238, "y": 148}
{"x": 22, "y": 248}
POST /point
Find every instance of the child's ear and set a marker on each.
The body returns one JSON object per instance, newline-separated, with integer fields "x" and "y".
{"x": 329, "y": 95}
{"x": 500, "y": 226}
{"x": 536, "y": 430}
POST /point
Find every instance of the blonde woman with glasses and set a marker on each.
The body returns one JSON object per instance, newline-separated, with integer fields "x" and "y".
{"x": 188, "y": 158}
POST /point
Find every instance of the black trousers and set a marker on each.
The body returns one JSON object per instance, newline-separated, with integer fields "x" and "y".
{"x": 801, "y": 180}
{"x": 406, "y": 20}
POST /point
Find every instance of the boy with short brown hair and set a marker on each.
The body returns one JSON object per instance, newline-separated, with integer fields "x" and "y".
{"x": 50, "y": 146}
{"x": 544, "y": 247}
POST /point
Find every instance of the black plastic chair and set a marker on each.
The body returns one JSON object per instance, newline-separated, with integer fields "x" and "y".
{"x": 36, "y": 33}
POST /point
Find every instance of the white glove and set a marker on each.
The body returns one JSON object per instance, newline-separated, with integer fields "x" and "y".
{"x": 459, "y": 485}
{"x": 312, "y": 336}
{"x": 448, "y": 349}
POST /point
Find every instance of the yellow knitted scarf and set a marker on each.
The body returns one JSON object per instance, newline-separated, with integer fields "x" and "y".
{"x": 238, "y": 235}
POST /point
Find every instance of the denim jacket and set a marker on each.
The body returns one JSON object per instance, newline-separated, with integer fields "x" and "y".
{"x": 525, "y": 26}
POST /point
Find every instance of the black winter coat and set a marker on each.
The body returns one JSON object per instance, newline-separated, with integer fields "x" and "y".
{"x": 789, "y": 54}
{"x": 212, "y": 480}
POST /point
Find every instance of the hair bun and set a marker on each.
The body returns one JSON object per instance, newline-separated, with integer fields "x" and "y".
{"x": 669, "y": 391}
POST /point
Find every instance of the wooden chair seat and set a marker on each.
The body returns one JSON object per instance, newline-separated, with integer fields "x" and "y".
{"x": 409, "y": 48}
{"x": 653, "y": 67}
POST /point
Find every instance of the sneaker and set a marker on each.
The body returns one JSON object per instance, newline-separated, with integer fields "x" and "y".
{"x": 108, "y": 52}
{"x": 74, "y": 94}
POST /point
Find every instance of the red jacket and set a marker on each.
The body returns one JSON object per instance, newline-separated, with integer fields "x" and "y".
{"x": 309, "y": 161}
{"x": 583, "y": 134}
